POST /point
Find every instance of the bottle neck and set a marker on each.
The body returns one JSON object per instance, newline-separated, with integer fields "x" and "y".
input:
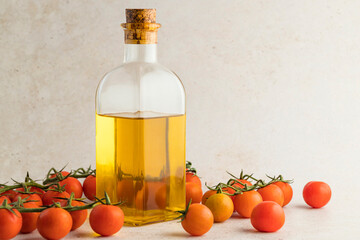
{"x": 140, "y": 53}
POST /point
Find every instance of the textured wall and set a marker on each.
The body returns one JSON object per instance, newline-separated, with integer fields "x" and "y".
{"x": 272, "y": 86}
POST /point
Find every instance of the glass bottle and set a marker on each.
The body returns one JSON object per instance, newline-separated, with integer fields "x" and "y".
{"x": 140, "y": 129}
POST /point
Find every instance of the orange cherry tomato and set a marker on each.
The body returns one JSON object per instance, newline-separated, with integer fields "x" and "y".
{"x": 142, "y": 196}
{"x": 10, "y": 223}
{"x": 79, "y": 216}
{"x": 206, "y": 195}
{"x": 244, "y": 203}
{"x": 221, "y": 206}
{"x": 268, "y": 216}
{"x": 89, "y": 187}
{"x": 2, "y": 199}
{"x": 72, "y": 185}
{"x": 243, "y": 181}
{"x": 193, "y": 192}
{"x": 29, "y": 218}
{"x": 198, "y": 220}
{"x": 160, "y": 197}
{"x": 54, "y": 223}
{"x": 192, "y": 177}
{"x": 317, "y": 194}
{"x": 51, "y": 196}
{"x": 272, "y": 193}
{"x": 106, "y": 220}
{"x": 287, "y": 191}
{"x": 29, "y": 197}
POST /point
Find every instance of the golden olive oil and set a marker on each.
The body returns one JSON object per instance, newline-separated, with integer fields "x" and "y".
{"x": 140, "y": 160}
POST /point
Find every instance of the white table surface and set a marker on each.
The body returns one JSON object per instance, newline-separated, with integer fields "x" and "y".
{"x": 337, "y": 220}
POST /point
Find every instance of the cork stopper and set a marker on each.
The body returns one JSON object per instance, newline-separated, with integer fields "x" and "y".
{"x": 140, "y": 15}
{"x": 140, "y": 26}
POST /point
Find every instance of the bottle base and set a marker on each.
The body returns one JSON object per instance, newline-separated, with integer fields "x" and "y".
{"x": 151, "y": 217}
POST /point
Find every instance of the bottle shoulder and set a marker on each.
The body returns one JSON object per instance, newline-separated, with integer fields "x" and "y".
{"x": 137, "y": 73}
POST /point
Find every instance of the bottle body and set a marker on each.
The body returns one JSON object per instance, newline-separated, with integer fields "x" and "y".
{"x": 140, "y": 138}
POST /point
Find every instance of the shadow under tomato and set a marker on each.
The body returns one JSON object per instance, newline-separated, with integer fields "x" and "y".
{"x": 178, "y": 234}
{"x": 303, "y": 206}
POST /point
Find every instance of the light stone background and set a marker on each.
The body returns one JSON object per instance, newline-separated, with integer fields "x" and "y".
{"x": 272, "y": 87}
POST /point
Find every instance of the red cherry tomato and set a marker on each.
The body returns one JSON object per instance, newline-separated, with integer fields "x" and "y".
{"x": 29, "y": 218}
{"x": 2, "y": 199}
{"x": 10, "y": 223}
{"x": 10, "y": 194}
{"x": 317, "y": 194}
{"x": 89, "y": 187}
{"x": 79, "y": 216}
{"x": 62, "y": 173}
{"x": 51, "y": 196}
{"x": 272, "y": 193}
{"x": 72, "y": 185}
{"x": 287, "y": 191}
{"x": 267, "y": 216}
{"x": 54, "y": 223}
{"x": 29, "y": 197}
{"x": 106, "y": 220}
{"x": 36, "y": 190}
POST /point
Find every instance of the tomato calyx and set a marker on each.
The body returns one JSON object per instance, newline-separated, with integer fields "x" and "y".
{"x": 189, "y": 168}
{"x": 183, "y": 213}
{"x": 279, "y": 179}
{"x": 106, "y": 200}
{"x": 9, "y": 207}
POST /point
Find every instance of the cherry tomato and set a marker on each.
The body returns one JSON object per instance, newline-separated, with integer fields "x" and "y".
{"x": 244, "y": 203}
{"x": 79, "y": 216}
{"x": 51, "y": 196}
{"x": 198, "y": 220}
{"x": 72, "y": 185}
{"x": 287, "y": 191}
{"x": 272, "y": 193}
{"x": 141, "y": 197}
{"x": 54, "y": 223}
{"x": 221, "y": 206}
{"x": 317, "y": 194}
{"x": 206, "y": 195}
{"x": 243, "y": 181}
{"x": 29, "y": 197}
{"x": 192, "y": 177}
{"x": 10, "y": 223}
{"x": 89, "y": 187}
{"x": 2, "y": 199}
{"x": 126, "y": 191}
{"x": 267, "y": 216}
{"x": 10, "y": 194}
{"x": 193, "y": 192}
{"x": 62, "y": 173}
{"x": 36, "y": 190}
{"x": 29, "y": 218}
{"x": 106, "y": 220}
{"x": 160, "y": 197}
